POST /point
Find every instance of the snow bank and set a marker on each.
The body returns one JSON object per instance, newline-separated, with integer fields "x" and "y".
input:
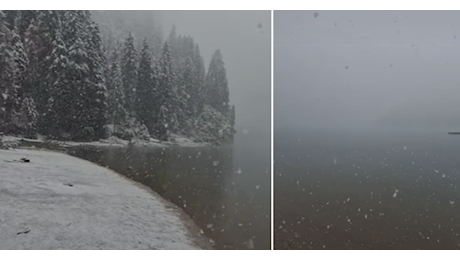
{"x": 12, "y": 141}
{"x": 60, "y": 202}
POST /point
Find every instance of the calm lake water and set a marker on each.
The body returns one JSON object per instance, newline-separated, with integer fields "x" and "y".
{"x": 226, "y": 190}
{"x": 367, "y": 190}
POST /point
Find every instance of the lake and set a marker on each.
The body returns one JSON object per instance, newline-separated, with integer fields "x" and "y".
{"x": 225, "y": 190}
{"x": 366, "y": 189}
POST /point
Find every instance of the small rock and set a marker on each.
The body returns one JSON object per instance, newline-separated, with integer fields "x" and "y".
{"x": 23, "y": 232}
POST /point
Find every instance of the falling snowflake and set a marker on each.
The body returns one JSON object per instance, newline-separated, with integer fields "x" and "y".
{"x": 215, "y": 163}
{"x": 250, "y": 244}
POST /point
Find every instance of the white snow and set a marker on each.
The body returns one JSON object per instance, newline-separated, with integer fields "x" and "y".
{"x": 395, "y": 193}
{"x": 114, "y": 141}
{"x": 62, "y": 202}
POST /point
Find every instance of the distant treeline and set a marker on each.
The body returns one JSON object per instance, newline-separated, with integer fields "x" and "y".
{"x": 59, "y": 79}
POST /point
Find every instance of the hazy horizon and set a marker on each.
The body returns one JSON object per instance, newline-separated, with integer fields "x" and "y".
{"x": 366, "y": 69}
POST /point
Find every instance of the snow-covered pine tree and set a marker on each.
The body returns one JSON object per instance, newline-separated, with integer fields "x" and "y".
{"x": 145, "y": 102}
{"x": 186, "y": 76}
{"x": 184, "y": 92}
{"x": 47, "y": 61}
{"x": 116, "y": 99}
{"x": 8, "y": 91}
{"x": 97, "y": 95}
{"x": 24, "y": 20}
{"x": 28, "y": 118}
{"x": 164, "y": 112}
{"x": 98, "y": 88}
{"x": 55, "y": 65}
{"x": 37, "y": 44}
{"x": 173, "y": 44}
{"x": 199, "y": 77}
{"x": 19, "y": 20}
{"x": 21, "y": 63}
{"x": 157, "y": 41}
{"x": 9, "y": 17}
{"x": 232, "y": 116}
{"x": 129, "y": 73}
{"x": 73, "y": 113}
{"x": 216, "y": 84}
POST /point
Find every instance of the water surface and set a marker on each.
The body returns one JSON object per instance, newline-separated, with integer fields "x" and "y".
{"x": 226, "y": 190}
{"x": 367, "y": 190}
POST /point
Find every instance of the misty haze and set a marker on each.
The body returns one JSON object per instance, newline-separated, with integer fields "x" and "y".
{"x": 178, "y": 101}
{"x": 364, "y": 101}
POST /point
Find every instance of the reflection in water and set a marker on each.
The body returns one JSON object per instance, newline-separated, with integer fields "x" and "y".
{"x": 199, "y": 180}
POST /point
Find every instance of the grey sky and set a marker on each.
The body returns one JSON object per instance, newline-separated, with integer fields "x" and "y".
{"x": 245, "y": 46}
{"x": 357, "y": 68}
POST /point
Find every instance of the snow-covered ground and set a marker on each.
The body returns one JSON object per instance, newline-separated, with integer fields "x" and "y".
{"x": 56, "y": 201}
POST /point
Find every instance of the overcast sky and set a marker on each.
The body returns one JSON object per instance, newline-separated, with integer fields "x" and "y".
{"x": 244, "y": 38}
{"x": 352, "y": 68}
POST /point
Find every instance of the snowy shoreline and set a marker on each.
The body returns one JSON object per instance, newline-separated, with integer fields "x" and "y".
{"x": 57, "y": 201}
{"x": 13, "y": 141}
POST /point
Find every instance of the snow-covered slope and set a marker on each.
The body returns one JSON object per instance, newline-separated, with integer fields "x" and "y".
{"x": 56, "y": 201}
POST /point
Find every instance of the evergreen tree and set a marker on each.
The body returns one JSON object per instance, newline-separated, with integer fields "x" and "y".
{"x": 232, "y": 116}
{"x": 21, "y": 62}
{"x": 57, "y": 110}
{"x": 8, "y": 91}
{"x": 200, "y": 72}
{"x": 145, "y": 88}
{"x": 186, "y": 90}
{"x": 23, "y": 20}
{"x": 173, "y": 43}
{"x": 47, "y": 61}
{"x": 97, "y": 94}
{"x": 216, "y": 85}
{"x": 116, "y": 106}
{"x": 56, "y": 78}
{"x": 19, "y": 20}
{"x": 129, "y": 73}
{"x": 10, "y": 17}
{"x": 28, "y": 118}
{"x": 164, "y": 112}
{"x": 73, "y": 111}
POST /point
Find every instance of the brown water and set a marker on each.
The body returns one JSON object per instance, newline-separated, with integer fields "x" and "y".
{"x": 225, "y": 190}
{"x": 358, "y": 190}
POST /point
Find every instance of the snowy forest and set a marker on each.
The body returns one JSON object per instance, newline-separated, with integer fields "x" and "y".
{"x": 65, "y": 76}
